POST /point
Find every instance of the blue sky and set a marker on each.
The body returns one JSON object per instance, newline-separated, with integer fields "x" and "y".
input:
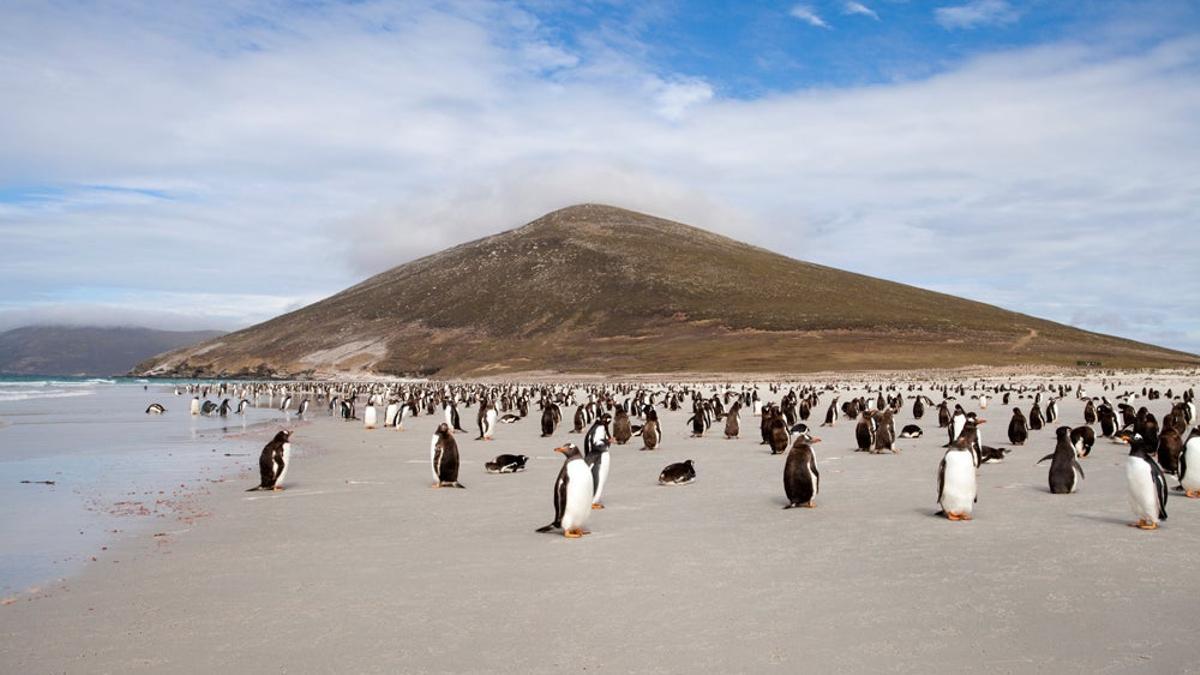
{"x": 212, "y": 164}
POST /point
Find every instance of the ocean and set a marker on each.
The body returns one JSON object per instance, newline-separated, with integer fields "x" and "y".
{"x": 114, "y": 469}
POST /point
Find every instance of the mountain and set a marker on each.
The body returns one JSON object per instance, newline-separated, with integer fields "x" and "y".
{"x": 593, "y": 288}
{"x": 71, "y": 350}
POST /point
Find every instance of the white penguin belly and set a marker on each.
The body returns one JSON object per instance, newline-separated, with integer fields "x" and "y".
{"x": 287, "y": 462}
{"x": 579, "y": 496}
{"x": 1191, "y": 453}
{"x": 433, "y": 454}
{"x": 369, "y": 417}
{"x": 1143, "y": 495}
{"x": 604, "y": 466}
{"x": 958, "y": 485}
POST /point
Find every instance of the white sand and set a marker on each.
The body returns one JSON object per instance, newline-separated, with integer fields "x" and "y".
{"x": 360, "y": 567}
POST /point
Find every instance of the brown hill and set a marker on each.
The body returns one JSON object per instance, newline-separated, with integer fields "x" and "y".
{"x": 594, "y": 288}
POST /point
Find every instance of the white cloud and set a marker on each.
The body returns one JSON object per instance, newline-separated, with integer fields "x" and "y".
{"x": 860, "y": 9}
{"x": 975, "y": 14}
{"x": 806, "y": 14}
{"x": 254, "y": 179}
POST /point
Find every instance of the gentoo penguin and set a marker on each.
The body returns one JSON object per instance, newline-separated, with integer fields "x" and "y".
{"x": 1089, "y": 412}
{"x": 680, "y": 473}
{"x": 622, "y": 429}
{"x": 1170, "y": 451}
{"x": 831, "y": 415}
{"x": 242, "y": 405}
{"x": 990, "y": 455}
{"x": 1147, "y": 485}
{"x": 1018, "y": 428}
{"x": 287, "y": 403}
{"x": 1052, "y": 411}
{"x": 864, "y": 431}
{"x": 390, "y": 413}
{"x": 733, "y": 420}
{"x": 918, "y": 409}
{"x": 911, "y": 431}
{"x": 1065, "y": 472}
{"x": 650, "y": 431}
{"x": 224, "y": 409}
{"x": 155, "y": 409}
{"x": 595, "y": 451}
{"x": 452, "y": 420}
{"x": 303, "y": 408}
{"x": 1189, "y": 466}
{"x": 957, "y": 489}
{"x": 1036, "y": 421}
{"x": 273, "y": 462}
{"x": 572, "y": 494}
{"x": 443, "y": 458}
{"x": 506, "y": 464}
{"x": 510, "y": 419}
{"x": 486, "y": 421}
{"x": 195, "y": 405}
{"x": 801, "y": 480}
{"x": 779, "y": 436}
{"x": 958, "y": 421}
{"x": 1083, "y": 438}
{"x": 885, "y": 434}
{"x": 550, "y": 416}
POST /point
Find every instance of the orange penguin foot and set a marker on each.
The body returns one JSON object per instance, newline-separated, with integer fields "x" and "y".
{"x": 1192, "y": 494}
{"x": 966, "y": 516}
{"x": 953, "y": 516}
{"x": 572, "y": 534}
{"x": 1139, "y": 523}
{"x": 1147, "y": 525}
{"x": 597, "y": 505}
{"x": 810, "y": 505}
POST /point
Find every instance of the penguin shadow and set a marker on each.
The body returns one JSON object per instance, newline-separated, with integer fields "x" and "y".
{"x": 1109, "y": 520}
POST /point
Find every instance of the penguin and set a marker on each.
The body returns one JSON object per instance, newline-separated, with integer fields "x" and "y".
{"x": 943, "y": 414}
{"x": 443, "y": 458}
{"x": 155, "y": 409}
{"x": 680, "y": 473}
{"x": 622, "y": 430}
{"x": 273, "y": 462}
{"x": 697, "y": 420}
{"x": 733, "y": 420}
{"x": 831, "y": 415}
{"x": 506, "y": 464}
{"x": 990, "y": 455}
{"x": 958, "y": 422}
{"x": 1065, "y": 472}
{"x": 1108, "y": 420}
{"x": 195, "y": 405}
{"x": 450, "y": 410}
{"x": 303, "y": 408}
{"x": 779, "y": 436}
{"x": 918, "y": 409}
{"x": 1083, "y": 438}
{"x": 486, "y": 421}
{"x": 1146, "y": 484}
{"x": 391, "y": 413}
{"x": 957, "y": 488}
{"x": 1052, "y": 411}
{"x": 287, "y": 403}
{"x": 1036, "y": 421}
{"x": 208, "y": 408}
{"x": 885, "y": 434}
{"x": 224, "y": 409}
{"x": 550, "y": 417}
{"x": 650, "y": 435}
{"x": 242, "y": 405}
{"x": 911, "y": 431}
{"x": 369, "y": 417}
{"x": 1018, "y": 428}
{"x": 595, "y": 451}
{"x": 864, "y": 431}
{"x": 1089, "y": 412}
{"x": 572, "y": 494}
{"x": 801, "y": 480}
{"x": 510, "y": 419}
{"x": 1189, "y": 466}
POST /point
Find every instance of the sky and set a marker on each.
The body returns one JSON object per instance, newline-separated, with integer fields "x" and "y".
{"x": 213, "y": 164}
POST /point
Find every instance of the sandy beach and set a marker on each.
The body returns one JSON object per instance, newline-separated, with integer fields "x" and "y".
{"x": 359, "y": 566}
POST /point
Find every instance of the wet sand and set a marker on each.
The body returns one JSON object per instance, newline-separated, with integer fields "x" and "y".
{"x": 359, "y": 566}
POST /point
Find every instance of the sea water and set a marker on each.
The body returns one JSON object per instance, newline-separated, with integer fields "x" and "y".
{"x": 115, "y": 469}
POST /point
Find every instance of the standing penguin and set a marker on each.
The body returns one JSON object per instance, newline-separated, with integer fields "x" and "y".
{"x": 273, "y": 462}
{"x": 831, "y": 415}
{"x": 1036, "y": 421}
{"x": 779, "y": 435}
{"x": 1147, "y": 486}
{"x": 443, "y": 458}
{"x": 550, "y": 417}
{"x": 885, "y": 434}
{"x": 486, "y": 421}
{"x": 572, "y": 494}
{"x": 595, "y": 452}
{"x": 369, "y": 418}
{"x": 801, "y": 480}
{"x": 733, "y": 420}
{"x": 957, "y": 488}
{"x": 1018, "y": 428}
{"x": 622, "y": 429}
{"x": 864, "y": 431}
{"x": 1089, "y": 412}
{"x": 1065, "y": 472}
{"x": 195, "y": 405}
{"x": 650, "y": 431}
{"x": 1189, "y": 466}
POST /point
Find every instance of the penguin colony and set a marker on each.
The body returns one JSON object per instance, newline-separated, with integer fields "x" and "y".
{"x": 611, "y": 415}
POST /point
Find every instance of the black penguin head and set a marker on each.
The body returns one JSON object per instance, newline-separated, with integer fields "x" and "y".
{"x": 443, "y": 429}
{"x": 570, "y": 451}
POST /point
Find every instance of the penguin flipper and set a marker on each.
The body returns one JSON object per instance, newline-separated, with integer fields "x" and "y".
{"x": 941, "y": 479}
{"x": 1079, "y": 469}
{"x": 547, "y": 528}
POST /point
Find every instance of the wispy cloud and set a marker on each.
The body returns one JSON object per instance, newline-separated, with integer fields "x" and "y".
{"x": 808, "y": 15}
{"x": 975, "y": 14}
{"x": 860, "y": 9}
{"x": 297, "y": 154}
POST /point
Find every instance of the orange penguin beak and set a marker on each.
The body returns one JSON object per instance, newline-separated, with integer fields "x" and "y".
{"x": 563, "y": 449}
{"x": 815, "y": 440}
{"x": 980, "y": 422}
